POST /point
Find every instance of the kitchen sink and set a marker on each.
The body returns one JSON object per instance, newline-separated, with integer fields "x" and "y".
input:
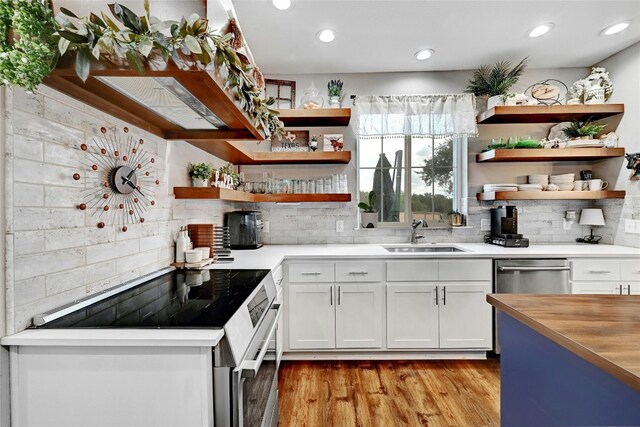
{"x": 420, "y": 249}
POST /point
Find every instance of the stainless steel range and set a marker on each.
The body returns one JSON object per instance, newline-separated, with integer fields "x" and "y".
{"x": 242, "y": 302}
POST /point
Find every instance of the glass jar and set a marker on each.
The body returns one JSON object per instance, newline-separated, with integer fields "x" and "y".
{"x": 311, "y": 98}
{"x": 319, "y": 185}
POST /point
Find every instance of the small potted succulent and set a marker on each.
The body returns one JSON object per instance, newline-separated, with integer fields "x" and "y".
{"x": 335, "y": 93}
{"x": 200, "y": 174}
{"x": 456, "y": 218}
{"x": 313, "y": 142}
{"x": 227, "y": 177}
{"x": 369, "y": 216}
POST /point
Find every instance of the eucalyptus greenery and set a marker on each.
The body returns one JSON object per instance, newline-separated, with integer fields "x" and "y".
{"x": 579, "y": 129}
{"x": 335, "y": 87}
{"x": 495, "y": 79}
{"x": 200, "y": 171}
{"x": 27, "y": 43}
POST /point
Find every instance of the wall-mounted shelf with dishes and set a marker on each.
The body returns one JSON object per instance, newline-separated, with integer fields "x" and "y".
{"x": 548, "y": 154}
{"x": 550, "y": 195}
{"x": 213, "y": 193}
{"x": 548, "y": 113}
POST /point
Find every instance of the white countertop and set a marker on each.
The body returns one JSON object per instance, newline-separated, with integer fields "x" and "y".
{"x": 116, "y": 337}
{"x": 269, "y": 256}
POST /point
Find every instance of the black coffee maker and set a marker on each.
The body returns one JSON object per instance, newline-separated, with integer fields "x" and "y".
{"x": 504, "y": 228}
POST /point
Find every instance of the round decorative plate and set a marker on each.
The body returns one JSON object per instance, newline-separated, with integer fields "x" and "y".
{"x": 120, "y": 179}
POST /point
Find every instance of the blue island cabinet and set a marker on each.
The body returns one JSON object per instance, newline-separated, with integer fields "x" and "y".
{"x": 544, "y": 384}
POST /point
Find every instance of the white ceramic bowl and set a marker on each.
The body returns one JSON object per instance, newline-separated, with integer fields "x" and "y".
{"x": 193, "y": 255}
{"x": 205, "y": 251}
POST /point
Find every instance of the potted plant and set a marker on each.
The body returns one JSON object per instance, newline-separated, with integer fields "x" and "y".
{"x": 227, "y": 177}
{"x": 369, "y": 216}
{"x": 596, "y": 88}
{"x": 313, "y": 142}
{"x": 456, "y": 218}
{"x": 335, "y": 92}
{"x": 491, "y": 83}
{"x": 200, "y": 174}
{"x": 583, "y": 130}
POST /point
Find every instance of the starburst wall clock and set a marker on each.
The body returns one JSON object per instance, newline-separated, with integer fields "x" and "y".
{"x": 120, "y": 178}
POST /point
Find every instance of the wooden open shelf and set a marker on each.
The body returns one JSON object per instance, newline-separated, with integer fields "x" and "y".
{"x": 548, "y": 113}
{"x": 238, "y": 153}
{"x": 206, "y": 87}
{"x": 551, "y": 195}
{"x": 319, "y": 117}
{"x": 548, "y": 154}
{"x": 212, "y": 193}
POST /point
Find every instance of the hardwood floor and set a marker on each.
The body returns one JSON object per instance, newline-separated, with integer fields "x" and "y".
{"x": 390, "y": 393}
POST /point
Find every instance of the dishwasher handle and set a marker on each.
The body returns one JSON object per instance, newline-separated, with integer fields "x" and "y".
{"x": 534, "y": 268}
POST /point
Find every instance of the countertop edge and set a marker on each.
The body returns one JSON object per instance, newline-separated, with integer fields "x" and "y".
{"x": 576, "y": 348}
{"x": 114, "y": 338}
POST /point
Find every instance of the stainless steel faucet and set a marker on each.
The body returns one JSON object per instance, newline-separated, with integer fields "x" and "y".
{"x": 414, "y": 225}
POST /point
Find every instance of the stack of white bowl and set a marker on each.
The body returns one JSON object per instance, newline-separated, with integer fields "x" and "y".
{"x": 541, "y": 180}
{"x": 529, "y": 187}
{"x": 563, "y": 181}
{"x": 490, "y": 188}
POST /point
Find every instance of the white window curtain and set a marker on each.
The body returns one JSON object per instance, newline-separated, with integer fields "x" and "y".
{"x": 416, "y": 115}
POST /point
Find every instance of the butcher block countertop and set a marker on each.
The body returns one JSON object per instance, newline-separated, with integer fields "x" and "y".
{"x": 604, "y": 330}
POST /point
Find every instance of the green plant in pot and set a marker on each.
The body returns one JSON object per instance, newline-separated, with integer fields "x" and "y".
{"x": 492, "y": 82}
{"x": 200, "y": 174}
{"x": 369, "y": 215}
{"x": 583, "y": 130}
{"x": 334, "y": 88}
{"x": 456, "y": 218}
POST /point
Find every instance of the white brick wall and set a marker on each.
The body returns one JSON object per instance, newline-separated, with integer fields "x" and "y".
{"x": 55, "y": 252}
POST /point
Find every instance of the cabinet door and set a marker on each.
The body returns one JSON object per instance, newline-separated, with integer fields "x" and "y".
{"x": 630, "y": 269}
{"x": 359, "y": 316}
{"x": 631, "y": 288}
{"x": 465, "y": 315}
{"x": 599, "y": 288}
{"x": 311, "y": 317}
{"x": 412, "y": 316}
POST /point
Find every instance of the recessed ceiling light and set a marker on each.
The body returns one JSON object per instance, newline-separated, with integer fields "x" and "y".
{"x": 541, "y": 30}
{"x": 326, "y": 36}
{"x": 423, "y": 54}
{"x": 615, "y": 28}
{"x": 281, "y": 4}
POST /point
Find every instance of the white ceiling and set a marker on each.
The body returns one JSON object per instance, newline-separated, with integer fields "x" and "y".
{"x": 381, "y": 36}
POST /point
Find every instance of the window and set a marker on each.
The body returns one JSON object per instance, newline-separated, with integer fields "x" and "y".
{"x": 431, "y": 170}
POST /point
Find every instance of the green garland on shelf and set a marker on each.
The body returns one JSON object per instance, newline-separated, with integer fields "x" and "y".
{"x": 27, "y": 43}
{"x": 188, "y": 42}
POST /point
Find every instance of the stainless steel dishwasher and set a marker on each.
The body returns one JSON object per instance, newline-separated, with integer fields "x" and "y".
{"x": 529, "y": 276}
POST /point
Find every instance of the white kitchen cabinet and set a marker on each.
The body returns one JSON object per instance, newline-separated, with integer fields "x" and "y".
{"x": 464, "y": 315}
{"x": 605, "y": 276}
{"x": 412, "y": 316}
{"x": 311, "y": 319}
{"x": 359, "y": 316}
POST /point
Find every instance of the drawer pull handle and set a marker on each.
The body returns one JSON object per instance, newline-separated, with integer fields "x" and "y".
{"x": 313, "y": 273}
{"x": 599, "y": 271}
{"x": 358, "y": 272}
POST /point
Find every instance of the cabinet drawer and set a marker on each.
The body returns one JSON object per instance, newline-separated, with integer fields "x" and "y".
{"x": 630, "y": 269}
{"x": 465, "y": 270}
{"x": 595, "y": 269}
{"x": 311, "y": 273}
{"x": 412, "y": 271}
{"x": 372, "y": 271}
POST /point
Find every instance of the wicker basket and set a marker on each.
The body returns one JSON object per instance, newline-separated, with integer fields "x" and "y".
{"x": 202, "y": 235}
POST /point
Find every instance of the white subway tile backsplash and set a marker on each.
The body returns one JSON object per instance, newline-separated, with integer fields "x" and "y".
{"x": 46, "y": 218}
{"x": 39, "y": 264}
{"x": 44, "y": 173}
{"x": 25, "y": 147}
{"x": 113, "y": 250}
{"x": 77, "y": 237}
{"x": 26, "y": 291}
{"x": 28, "y": 195}
{"x": 28, "y": 242}
{"x": 63, "y": 281}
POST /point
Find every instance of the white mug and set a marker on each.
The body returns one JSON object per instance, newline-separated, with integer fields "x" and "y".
{"x": 597, "y": 185}
{"x": 578, "y": 185}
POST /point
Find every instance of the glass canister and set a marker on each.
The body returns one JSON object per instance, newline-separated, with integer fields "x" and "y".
{"x": 319, "y": 185}
{"x": 327, "y": 185}
{"x": 311, "y": 98}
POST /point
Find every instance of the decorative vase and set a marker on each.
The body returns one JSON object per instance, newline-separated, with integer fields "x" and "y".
{"x": 456, "y": 220}
{"x": 334, "y": 102}
{"x": 481, "y": 104}
{"x": 199, "y": 182}
{"x": 311, "y": 98}
{"x": 494, "y": 101}
{"x": 595, "y": 95}
{"x": 368, "y": 219}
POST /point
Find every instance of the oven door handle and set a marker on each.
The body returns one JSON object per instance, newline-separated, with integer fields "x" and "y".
{"x": 250, "y": 368}
{"x": 534, "y": 268}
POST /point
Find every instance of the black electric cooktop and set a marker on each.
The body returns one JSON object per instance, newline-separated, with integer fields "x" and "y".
{"x": 178, "y": 299}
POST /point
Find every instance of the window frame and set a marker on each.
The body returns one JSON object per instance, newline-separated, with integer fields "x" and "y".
{"x": 460, "y": 188}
